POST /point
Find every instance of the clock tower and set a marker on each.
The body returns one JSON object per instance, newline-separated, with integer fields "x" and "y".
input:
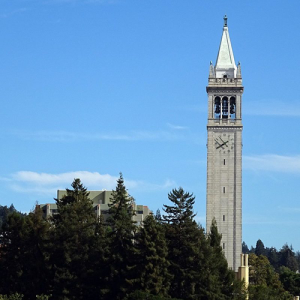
{"x": 224, "y": 150}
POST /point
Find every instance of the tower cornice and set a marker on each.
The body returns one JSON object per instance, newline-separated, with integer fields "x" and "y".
{"x": 225, "y": 89}
{"x": 225, "y": 82}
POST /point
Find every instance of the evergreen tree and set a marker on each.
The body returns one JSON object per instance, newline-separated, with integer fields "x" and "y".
{"x": 252, "y": 250}
{"x": 245, "y": 248}
{"x": 122, "y": 261}
{"x": 141, "y": 295}
{"x": 74, "y": 230}
{"x": 273, "y": 257}
{"x": 24, "y": 260}
{"x": 264, "y": 282}
{"x": 99, "y": 259}
{"x": 290, "y": 281}
{"x": 11, "y": 262}
{"x": 187, "y": 247}
{"x": 221, "y": 285}
{"x": 297, "y": 255}
{"x": 5, "y": 212}
{"x": 153, "y": 274}
{"x": 287, "y": 258}
{"x": 260, "y": 248}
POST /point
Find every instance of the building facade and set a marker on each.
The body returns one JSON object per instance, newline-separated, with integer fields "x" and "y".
{"x": 101, "y": 201}
{"x": 224, "y": 150}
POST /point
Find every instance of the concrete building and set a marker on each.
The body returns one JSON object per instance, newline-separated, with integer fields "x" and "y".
{"x": 100, "y": 199}
{"x": 224, "y": 150}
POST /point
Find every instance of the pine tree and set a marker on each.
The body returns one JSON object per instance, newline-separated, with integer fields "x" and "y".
{"x": 99, "y": 262}
{"x": 11, "y": 262}
{"x": 287, "y": 258}
{"x": 297, "y": 255}
{"x": 24, "y": 260}
{"x": 245, "y": 248}
{"x": 260, "y": 248}
{"x": 74, "y": 230}
{"x": 4, "y": 212}
{"x": 273, "y": 257}
{"x": 221, "y": 283}
{"x": 187, "y": 246}
{"x": 153, "y": 274}
{"x": 122, "y": 261}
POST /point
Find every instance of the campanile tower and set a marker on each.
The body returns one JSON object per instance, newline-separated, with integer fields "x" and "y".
{"x": 224, "y": 150}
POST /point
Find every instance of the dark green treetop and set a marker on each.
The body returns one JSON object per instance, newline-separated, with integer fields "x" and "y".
{"x": 154, "y": 277}
{"x": 74, "y": 230}
{"x": 122, "y": 276}
{"x": 186, "y": 244}
{"x": 264, "y": 281}
{"x": 24, "y": 266}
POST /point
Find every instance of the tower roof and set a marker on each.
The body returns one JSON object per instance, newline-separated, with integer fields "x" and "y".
{"x": 225, "y": 64}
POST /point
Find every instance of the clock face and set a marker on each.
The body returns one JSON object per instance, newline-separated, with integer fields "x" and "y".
{"x": 224, "y": 142}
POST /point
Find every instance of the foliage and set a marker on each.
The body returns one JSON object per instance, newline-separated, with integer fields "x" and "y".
{"x": 245, "y": 248}
{"x": 197, "y": 263}
{"x": 5, "y": 211}
{"x": 138, "y": 295}
{"x": 15, "y": 296}
{"x": 286, "y": 257}
{"x": 122, "y": 261}
{"x": 73, "y": 233}
{"x": 264, "y": 281}
{"x": 43, "y": 297}
{"x": 290, "y": 281}
{"x": 154, "y": 277}
{"x": 222, "y": 280}
{"x": 24, "y": 255}
{"x": 260, "y": 248}
{"x": 182, "y": 235}
{"x": 297, "y": 256}
{"x": 75, "y": 255}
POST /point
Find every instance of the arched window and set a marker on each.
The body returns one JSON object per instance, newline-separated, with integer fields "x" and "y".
{"x": 224, "y": 108}
{"x": 232, "y": 108}
{"x": 217, "y": 107}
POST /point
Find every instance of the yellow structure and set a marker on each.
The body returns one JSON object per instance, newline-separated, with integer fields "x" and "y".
{"x": 243, "y": 272}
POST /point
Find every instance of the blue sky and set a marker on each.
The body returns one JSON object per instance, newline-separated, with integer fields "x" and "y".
{"x": 90, "y": 88}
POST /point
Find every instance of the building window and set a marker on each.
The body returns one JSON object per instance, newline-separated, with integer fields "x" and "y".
{"x": 232, "y": 107}
{"x": 223, "y": 246}
{"x": 223, "y": 189}
{"x": 224, "y": 162}
{"x": 225, "y": 108}
{"x": 223, "y": 217}
{"x": 217, "y": 107}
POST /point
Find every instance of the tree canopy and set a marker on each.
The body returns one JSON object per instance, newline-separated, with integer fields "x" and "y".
{"x": 75, "y": 255}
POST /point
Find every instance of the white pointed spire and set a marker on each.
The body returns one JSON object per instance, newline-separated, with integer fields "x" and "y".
{"x": 225, "y": 65}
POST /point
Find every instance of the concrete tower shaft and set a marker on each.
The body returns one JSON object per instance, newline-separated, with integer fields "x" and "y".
{"x": 224, "y": 150}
